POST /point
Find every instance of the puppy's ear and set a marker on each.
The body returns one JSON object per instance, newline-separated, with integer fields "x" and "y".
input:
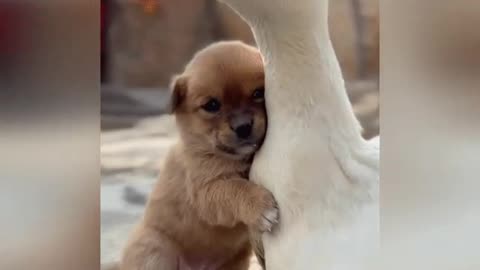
{"x": 178, "y": 92}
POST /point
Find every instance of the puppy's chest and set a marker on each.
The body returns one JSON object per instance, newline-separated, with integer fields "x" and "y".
{"x": 189, "y": 263}
{"x": 210, "y": 257}
{"x": 207, "y": 247}
{"x": 245, "y": 172}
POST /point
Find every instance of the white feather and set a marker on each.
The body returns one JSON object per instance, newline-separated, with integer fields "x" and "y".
{"x": 314, "y": 160}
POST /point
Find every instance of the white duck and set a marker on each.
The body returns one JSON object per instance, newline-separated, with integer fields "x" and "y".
{"x": 324, "y": 175}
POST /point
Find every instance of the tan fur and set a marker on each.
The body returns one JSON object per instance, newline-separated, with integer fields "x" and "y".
{"x": 199, "y": 212}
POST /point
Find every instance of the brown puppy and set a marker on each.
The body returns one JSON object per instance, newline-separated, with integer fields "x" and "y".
{"x": 198, "y": 215}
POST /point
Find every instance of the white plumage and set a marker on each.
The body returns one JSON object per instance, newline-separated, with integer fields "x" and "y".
{"x": 324, "y": 175}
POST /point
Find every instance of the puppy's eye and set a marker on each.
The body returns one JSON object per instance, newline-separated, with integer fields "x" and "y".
{"x": 212, "y": 106}
{"x": 258, "y": 94}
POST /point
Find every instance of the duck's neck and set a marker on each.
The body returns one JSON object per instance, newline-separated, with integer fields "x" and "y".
{"x": 303, "y": 76}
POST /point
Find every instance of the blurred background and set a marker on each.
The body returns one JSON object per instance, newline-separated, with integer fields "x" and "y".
{"x": 145, "y": 42}
{"x": 51, "y": 171}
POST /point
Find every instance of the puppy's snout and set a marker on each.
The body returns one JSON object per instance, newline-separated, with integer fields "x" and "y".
{"x": 242, "y": 125}
{"x": 244, "y": 131}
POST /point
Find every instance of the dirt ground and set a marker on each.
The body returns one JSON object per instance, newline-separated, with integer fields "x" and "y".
{"x": 136, "y": 134}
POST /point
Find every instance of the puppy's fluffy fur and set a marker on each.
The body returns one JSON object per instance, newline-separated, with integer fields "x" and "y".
{"x": 200, "y": 211}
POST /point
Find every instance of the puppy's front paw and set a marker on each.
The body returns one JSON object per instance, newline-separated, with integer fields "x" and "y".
{"x": 269, "y": 219}
{"x": 265, "y": 212}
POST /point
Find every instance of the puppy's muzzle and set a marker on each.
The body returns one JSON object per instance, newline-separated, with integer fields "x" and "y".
{"x": 242, "y": 125}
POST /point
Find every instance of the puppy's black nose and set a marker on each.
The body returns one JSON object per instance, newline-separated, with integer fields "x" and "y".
{"x": 244, "y": 131}
{"x": 242, "y": 124}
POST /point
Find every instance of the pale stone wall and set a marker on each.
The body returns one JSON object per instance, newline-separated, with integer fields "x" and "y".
{"x": 146, "y": 48}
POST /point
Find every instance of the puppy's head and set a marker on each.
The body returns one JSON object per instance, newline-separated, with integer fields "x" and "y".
{"x": 219, "y": 100}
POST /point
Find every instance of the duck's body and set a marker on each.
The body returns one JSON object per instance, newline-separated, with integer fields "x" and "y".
{"x": 323, "y": 174}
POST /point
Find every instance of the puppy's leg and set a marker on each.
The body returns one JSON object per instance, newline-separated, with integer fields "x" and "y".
{"x": 228, "y": 202}
{"x": 257, "y": 245}
{"x": 149, "y": 250}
